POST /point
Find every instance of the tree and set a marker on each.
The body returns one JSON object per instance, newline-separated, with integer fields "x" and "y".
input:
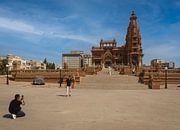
{"x": 3, "y": 64}
{"x": 45, "y": 61}
{"x": 49, "y": 65}
{"x": 53, "y": 65}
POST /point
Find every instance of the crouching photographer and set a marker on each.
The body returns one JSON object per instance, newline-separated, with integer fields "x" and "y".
{"x": 15, "y": 106}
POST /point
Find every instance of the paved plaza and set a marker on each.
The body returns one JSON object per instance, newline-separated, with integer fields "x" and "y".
{"x": 91, "y": 109}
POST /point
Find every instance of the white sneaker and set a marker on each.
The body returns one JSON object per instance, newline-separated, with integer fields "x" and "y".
{"x": 13, "y": 116}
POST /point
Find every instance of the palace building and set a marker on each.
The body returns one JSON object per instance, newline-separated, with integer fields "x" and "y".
{"x": 131, "y": 54}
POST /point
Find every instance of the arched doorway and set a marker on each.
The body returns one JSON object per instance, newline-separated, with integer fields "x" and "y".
{"x": 108, "y": 62}
{"x": 107, "y": 59}
{"x": 135, "y": 60}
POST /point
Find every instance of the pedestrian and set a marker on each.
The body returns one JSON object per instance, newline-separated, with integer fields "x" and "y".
{"x": 133, "y": 71}
{"x": 109, "y": 68}
{"x": 15, "y": 106}
{"x": 68, "y": 87}
{"x": 73, "y": 81}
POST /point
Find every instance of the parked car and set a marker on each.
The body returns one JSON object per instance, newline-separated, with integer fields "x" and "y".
{"x": 38, "y": 81}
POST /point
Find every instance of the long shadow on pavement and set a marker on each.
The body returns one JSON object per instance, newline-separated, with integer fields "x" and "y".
{"x": 8, "y": 116}
{"x": 62, "y": 95}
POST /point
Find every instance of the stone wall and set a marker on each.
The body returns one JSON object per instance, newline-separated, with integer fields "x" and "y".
{"x": 173, "y": 76}
{"x": 128, "y": 70}
{"x": 52, "y": 76}
{"x": 92, "y": 70}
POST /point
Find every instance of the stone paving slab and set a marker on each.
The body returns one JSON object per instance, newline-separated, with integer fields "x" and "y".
{"x": 48, "y": 109}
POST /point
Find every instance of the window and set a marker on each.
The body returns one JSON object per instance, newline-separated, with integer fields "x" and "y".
{"x": 135, "y": 50}
{"x": 134, "y": 44}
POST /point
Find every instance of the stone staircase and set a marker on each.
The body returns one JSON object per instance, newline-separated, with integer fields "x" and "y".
{"x": 104, "y": 81}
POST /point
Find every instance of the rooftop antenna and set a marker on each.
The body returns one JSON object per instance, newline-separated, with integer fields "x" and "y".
{"x": 115, "y": 35}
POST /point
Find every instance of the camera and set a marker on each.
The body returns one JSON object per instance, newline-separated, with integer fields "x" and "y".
{"x": 22, "y": 97}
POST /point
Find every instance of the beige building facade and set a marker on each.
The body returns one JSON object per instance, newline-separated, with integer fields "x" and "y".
{"x": 17, "y": 63}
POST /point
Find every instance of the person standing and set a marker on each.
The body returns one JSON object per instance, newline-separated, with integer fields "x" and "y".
{"x": 73, "y": 81}
{"x": 15, "y": 106}
{"x": 68, "y": 87}
{"x": 133, "y": 71}
{"x": 109, "y": 68}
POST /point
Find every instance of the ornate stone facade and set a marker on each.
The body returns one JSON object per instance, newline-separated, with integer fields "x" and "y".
{"x": 131, "y": 54}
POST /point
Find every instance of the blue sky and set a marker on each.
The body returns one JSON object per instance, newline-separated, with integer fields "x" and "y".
{"x": 38, "y": 29}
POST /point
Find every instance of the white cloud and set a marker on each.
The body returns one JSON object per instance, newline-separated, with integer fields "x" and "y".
{"x": 164, "y": 51}
{"x": 18, "y": 26}
{"x": 66, "y": 18}
{"x": 168, "y": 51}
{"x": 66, "y": 35}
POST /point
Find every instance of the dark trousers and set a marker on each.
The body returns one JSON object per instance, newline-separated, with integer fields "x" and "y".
{"x": 20, "y": 114}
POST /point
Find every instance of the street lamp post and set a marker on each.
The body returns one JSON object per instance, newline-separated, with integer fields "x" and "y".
{"x": 150, "y": 80}
{"x": 7, "y": 72}
{"x": 166, "y": 77}
{"x": 60, "y": 80}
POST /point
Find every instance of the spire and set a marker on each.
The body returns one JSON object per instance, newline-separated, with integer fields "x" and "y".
{"x": 133, "y": 16}
{"x": 133, "y": 28}
{"x": 133, "y": 42}
{"x": 133, "y": 13}
{"x": 114, "y": 39}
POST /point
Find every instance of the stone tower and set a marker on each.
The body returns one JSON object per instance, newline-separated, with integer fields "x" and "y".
{"x": 133, "y": 49}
